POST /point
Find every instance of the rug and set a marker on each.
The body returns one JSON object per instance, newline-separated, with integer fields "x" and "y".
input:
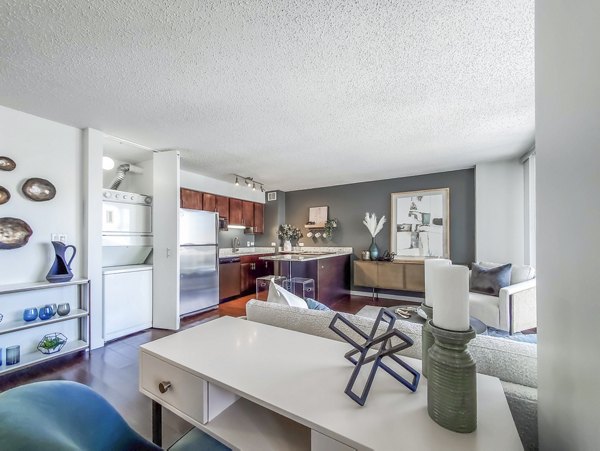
{"x": 371, "y": 311}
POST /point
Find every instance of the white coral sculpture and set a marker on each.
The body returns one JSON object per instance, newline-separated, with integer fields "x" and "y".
{"x": 371, "y": 223}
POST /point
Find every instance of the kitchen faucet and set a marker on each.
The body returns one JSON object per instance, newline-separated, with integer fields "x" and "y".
{"x": 235, "y": 245}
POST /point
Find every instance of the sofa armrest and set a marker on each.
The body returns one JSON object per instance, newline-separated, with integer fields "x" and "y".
{"x": 518, "y": 302}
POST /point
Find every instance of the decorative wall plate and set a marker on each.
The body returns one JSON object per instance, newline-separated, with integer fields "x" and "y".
{"x": 7, "y": 164}
{"x": 14, "y": 233}
{"x": 39, "y": 190}
{"x": 4, "y": 195}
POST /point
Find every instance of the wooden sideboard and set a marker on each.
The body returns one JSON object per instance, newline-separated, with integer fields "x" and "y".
{"x": 406, "y": 275}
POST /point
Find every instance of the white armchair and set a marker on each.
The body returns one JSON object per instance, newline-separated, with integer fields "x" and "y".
{"x": 514, "y": 309}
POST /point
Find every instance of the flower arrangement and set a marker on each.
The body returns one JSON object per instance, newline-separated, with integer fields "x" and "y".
{"x": 288, "y": 232}
{"x": 371, "y": 223}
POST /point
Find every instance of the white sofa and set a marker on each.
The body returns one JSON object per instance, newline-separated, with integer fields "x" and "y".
{"x": 514, "y": 363}
{"x": 514, "y": 309}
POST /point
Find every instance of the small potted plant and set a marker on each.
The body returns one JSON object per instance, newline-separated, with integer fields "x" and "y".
{"x": 287, "y": 233}
{"x": 374, "y": 227}
{"x": 330, "y": 224}
{"x": 52, "y": 343}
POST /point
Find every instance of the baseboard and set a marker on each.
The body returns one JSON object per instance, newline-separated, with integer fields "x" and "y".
{"x": 394, "y": 297}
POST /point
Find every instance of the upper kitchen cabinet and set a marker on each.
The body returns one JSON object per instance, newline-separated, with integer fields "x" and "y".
{"x": 259, "y": 218}
{"x": 190, "y": 199}
{"x": 248, "y": 213}
{"x": 235, "y": 212}
{"x": 223, "y": 206}
{"x": 209, "y": 202}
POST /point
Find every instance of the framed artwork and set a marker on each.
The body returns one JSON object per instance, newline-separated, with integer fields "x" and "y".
{"x": 318, "y": 216}
{"x": 420, "y": 223}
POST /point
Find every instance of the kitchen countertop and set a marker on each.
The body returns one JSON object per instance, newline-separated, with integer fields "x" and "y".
{"x": 304, "y": 256}
{"x": 228, "y": 252}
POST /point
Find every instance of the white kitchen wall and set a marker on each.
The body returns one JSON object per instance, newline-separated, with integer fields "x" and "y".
{"x": 499, "y": 212}
{"x": 46, "y": 149}
{"x": 568, "y": 222}
{"x": 206, "y": 184}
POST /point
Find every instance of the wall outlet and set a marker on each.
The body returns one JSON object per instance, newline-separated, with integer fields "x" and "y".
{"x": 251, "y": 243}
{"x": 273, "y": 244}
{"x": 62, "y": 237}
{"x": 301, "y": 244}
{"x": 247, "y": 243}
{"x": 54, "y": 237}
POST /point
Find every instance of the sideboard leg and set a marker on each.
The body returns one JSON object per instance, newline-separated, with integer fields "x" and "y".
{"x": 156, "y": 423}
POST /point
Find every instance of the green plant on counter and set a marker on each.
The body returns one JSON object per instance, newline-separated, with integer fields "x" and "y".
{"x": 330, "y": 224}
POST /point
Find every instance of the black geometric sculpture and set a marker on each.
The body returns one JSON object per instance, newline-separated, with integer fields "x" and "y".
{"x": 368, "y": 353}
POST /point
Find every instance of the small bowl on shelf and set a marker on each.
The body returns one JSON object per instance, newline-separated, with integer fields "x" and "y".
{"x": 63, "y": 309}
{"x": 30, "y": 314}
{"x": 54, "y": 308}
{"x": 45, "y": 313}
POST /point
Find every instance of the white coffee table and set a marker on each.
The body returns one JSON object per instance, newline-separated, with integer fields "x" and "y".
{"x": 259, "y": 387}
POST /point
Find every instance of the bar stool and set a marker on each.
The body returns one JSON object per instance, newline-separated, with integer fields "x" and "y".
{"x": 262, "y": 285}
{"x": 301, "y": 286}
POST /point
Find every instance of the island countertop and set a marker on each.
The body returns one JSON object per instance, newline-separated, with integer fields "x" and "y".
{"x": 303, "y": 256}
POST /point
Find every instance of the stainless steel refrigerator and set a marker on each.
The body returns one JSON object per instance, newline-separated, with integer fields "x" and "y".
{"x": 199, "y": 261}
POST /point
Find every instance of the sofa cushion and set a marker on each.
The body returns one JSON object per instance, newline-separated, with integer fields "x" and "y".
{"x": 485, "y": 308}
{"x": 490, "y": 280}
{"x": 316, "y": 305}
{"x": 518, "y": 274}
{"x": 280, "y": 295}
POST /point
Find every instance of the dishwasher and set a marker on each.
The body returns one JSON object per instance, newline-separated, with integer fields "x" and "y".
{"x": 229, "y": 277}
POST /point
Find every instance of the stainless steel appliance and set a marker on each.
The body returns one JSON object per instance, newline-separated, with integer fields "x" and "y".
{"x": 229, "y": 277}
{"x": 199, "y": 261}
{"x": 126, "y": 228}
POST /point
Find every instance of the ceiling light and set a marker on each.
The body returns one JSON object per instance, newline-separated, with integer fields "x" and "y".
{"x": 249, "y": 182}
{"x": 108, "y": 163}
{"x": 237, "y": 182}
{"x": 254, "y": 187}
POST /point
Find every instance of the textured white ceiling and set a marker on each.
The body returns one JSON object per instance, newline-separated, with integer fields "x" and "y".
{"x": 297, "y": 94}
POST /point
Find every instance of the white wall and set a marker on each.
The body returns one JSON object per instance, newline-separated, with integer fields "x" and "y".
{"x": 209, "y": 185}
{"x": 46, "y": 149}
{"x": 568, "y": 222}
{"x": 499, "y": 212}
{"x": 132, "y": 183}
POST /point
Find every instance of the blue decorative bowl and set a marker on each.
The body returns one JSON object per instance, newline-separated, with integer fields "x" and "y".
{"x": 45, "y": 313}
{"x": 30, "y": 314}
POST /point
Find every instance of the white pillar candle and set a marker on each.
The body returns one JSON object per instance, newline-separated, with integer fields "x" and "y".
{"x": 430, "y": 285}
{"x": 451, "y": 309}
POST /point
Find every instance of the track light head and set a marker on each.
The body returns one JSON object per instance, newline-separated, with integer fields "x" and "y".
{"x": 237, "y": 182}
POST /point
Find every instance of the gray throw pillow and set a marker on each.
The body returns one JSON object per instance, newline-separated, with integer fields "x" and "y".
{"x": 490, "y": 280}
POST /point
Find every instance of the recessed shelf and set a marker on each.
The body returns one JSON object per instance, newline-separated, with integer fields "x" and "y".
{"x": 313, "y": 226}
{"x": 33, "y": 358}
{"x": 13, "y": 326}
{"x": 15, "y": 288}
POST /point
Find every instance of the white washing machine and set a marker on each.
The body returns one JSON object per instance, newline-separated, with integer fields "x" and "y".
{"x": 127, "y": 300}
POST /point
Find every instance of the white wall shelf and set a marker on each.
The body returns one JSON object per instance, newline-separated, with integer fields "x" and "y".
{"x": 14, "y": 330}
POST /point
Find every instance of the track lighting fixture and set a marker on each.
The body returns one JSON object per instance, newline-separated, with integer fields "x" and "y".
{"x": 249, "y": 182}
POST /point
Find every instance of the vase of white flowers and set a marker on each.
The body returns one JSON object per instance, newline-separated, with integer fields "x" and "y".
{"x": 287, "y": 233}
{"x": 374, "y": 228}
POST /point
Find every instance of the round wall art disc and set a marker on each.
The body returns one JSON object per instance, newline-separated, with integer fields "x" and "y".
{"x": 39, "y": 190}
{"x": 14, "y": 233}
{"x": 4, "y": 195}
{"x": 7, "y": 164}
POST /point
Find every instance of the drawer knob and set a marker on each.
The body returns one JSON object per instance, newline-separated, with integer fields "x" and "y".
{"x": 164, "y": 386}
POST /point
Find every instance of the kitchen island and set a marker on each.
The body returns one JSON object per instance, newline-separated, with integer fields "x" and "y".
{"x": 330, "y": 270}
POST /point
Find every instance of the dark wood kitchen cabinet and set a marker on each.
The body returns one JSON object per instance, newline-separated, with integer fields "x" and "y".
{"x": 252, "y": 267}
{"x": 190, "y": 199}
{"x": 209, "y": 202}
{"x": 259, "y": 218}
{"x": 235, "y": 211}
{"x": 248, "y": 213}
{"x": 222, "y": 206}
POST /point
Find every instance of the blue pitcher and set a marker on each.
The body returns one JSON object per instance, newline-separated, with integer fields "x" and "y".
{"x": 61, "y": 269}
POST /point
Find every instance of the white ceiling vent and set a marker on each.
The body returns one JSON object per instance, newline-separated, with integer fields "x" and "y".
{"x": 271, "y": 196}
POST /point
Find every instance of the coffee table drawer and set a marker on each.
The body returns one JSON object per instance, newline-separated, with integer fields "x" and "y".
{"x": 182, "y": 390}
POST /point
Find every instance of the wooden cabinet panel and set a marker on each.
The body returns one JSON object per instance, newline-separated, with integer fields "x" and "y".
{"x": 222, "y": 204}
{"x": 235, "y": 211}
{"x": 190, "y": 199}
{"x": 414, "y": 277}
{"x": 390, "y": 276}
{"x": 259, "y": 218}
{"x": 209, "y": 202}
{"x": 248, "y": 213}
{"x": 365, "y": 273}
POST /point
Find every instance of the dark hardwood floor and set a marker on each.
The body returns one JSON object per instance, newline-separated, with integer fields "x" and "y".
{"x": 112, "y": 370}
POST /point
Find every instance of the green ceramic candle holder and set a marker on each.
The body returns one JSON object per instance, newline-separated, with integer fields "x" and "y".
{"x": 452, "y": 384}
{"x": 426, "y": 339}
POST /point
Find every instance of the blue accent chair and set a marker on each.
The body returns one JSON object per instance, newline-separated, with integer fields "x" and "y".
{"x": 63, "y": 415}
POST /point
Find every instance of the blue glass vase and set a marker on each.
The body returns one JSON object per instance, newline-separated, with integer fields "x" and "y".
{"x": 30, "y": 314}
{"x": 373, "y": 250}
{"x": 61, "y": 268}
{"x": 45, "y": 313}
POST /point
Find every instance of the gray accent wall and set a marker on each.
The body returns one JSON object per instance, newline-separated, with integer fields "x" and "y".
{"x": 274, "y": 215}
{"x": 349, "y": 203}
